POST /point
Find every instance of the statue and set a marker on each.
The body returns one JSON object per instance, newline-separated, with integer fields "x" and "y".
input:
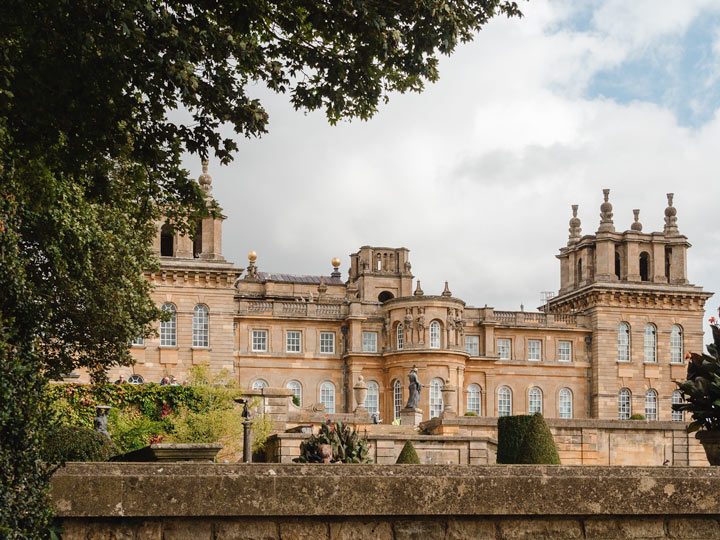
{"x": 414, "y": 387}
{"x": 100, "y": 421}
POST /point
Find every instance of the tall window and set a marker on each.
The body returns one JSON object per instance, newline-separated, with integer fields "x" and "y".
{"x": 369, "y": 342}
{"x": 434, "y": 335}
{"x": 201, "y": 326}
{"x": 259, "y": 340}
{"x": 644, "y": 266}
{"x": 623, "y": 342}
{"x": 372, "y": 401}
{"x": 166, "y": 241}
{"x": 564, "y": 351}
{"x": 504, "y": 401}
{"x": 534, "y": 349}
{"x": 259, "y": 384}
{"x": 327, "y": 342}
{"x": 197, "y": 242}
{"x": 617, "y": 264}
{"x": 296, "y": 388}
{"x": 676, "y": 344}
{"x": 293, "y": 341}
{"x": 473, "y": 399}
{"x": 535, "y": 399}
{"x": 651, "y": 405}
{"x": 579, "y": 276}
{"x": 400, "y": 337}
{"x": 472, "y": 345}
{"x": 436, "y": 402}
{"x": 168, "y": 329}
{"x": 503, "y": 348}
{"x": 565, "y": 403}
{"x": 624, "y": 409}
{"x": 397, "y": 399}
{"x": 677, "y": 398}
{"x": 650, "y": 343}
{"x": 327, "y": 396}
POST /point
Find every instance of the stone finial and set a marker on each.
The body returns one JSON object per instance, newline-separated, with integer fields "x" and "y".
{"x": 636, "y": 226}
{"x": 322, "y": 288}
{"x": 336, "y": 268}
{"x": 205, "y": 180}
{"x": 251, "y": 273}
{"x": 575, "y": 228}
{"x": 446, "y": 292}
{"x": 418, "y": 290}
{"x": 606, "y": 214}
{"x": 670, "y": 216}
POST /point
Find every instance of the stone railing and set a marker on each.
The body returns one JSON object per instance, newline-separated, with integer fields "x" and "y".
{"x": 285, "y": 308}
{"x": 394, "y": 502}
{"x": 537, "y": 318}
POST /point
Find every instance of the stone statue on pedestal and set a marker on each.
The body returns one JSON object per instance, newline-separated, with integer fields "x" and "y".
{"x": 414, "y": 388}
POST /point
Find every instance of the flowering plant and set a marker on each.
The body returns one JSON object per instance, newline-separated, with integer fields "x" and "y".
{"x": 347, "y": 445}
{"x": 701, "y": 390}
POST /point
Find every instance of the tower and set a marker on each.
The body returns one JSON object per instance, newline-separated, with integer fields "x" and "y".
{"x": 381, "y": 274}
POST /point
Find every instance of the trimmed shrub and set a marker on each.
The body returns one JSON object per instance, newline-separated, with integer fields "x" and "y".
{"x": 470, "y": 413}
{"x": 511, "y": 432}
{"x": 77, "y": 443}
{"x": 637, "y": 416}
{"x": 408, "y": 455}
{"x": 538, "y": 446}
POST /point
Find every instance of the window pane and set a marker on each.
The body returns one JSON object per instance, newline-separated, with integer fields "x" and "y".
{"x": 397, "y": 399}
{"x": 434, "y": 335}
{"x": 676, "y": 345}
{"x": 624, "y": 409}
{"x": 564, "y": 351}
{"x": 400, "y": 337}
{"x": 504, "y": 403}
{"x": 623, "y": 342}
{"x": 472, "y": 345}
{"x": 327, "y": 397}
{"x": 677, "y": 398}
{"x": 473, "y": 399}
{"x": 259, "y": 340}
{"x": 534, "y": 348}
{"x": 565, "y": 407}
{"x": 535, "y": 400}
{"x": 650, "y": 344}
{"x": 651, "y": 412}
{"x": 168, "y": 329}
{"x": 327, "y": 342}
{"x": 372, "y": 401}
{"x": 503, "y": 348}
{"x": 369, "y": 341}
{"x": 201, "y": 327}
{"x": 259, "y": 384}
{"x": 436, "y": 402}
{"x": 292, "y": 341}
{"x": 296, "y": 388}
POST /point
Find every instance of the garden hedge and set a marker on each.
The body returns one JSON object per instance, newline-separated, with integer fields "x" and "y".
{"x": 76, "y": 443}
{"x": 525, "y": 439}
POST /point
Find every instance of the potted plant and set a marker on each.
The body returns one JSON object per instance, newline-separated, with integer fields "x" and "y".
{"x": 335, "y": 443}
{"x": 701, "y": 395}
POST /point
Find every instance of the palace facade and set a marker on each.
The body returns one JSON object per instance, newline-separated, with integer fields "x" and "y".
{"x": 611, "y": 343}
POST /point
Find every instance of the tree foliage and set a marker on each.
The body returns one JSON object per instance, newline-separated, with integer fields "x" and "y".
{"x": 90, "y": 158}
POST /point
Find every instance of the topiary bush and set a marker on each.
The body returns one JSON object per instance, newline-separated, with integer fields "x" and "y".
{"x": 637, "y": 416}
{"x": 77, "y": 443}
{"x": 525, "y": 439}
{"x": 538, "y": 446}
{"x": 511, "y": 432}
{"x": 408, "y": 455}
{"x": 470, "y": 413}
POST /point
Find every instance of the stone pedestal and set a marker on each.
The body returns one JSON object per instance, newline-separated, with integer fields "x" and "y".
{"x": 448, "y": 396}
{"x": 410, "y": 416}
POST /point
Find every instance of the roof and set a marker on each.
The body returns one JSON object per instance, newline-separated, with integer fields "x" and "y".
{"x": 290, "y": 278}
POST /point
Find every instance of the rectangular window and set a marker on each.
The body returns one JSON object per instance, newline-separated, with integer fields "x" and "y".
{"x": 565, "y": 351}
{"x": 327, "y": 342}
{"x": 534, "y": 349}
{"x": 472, "y": 345}
{"x": 369, "y": 342}
{"x": 503, "y": 348}
{"x": 138, "y": 341}
{"x": 292, "y": 341}
{"x": 259, "y": 340}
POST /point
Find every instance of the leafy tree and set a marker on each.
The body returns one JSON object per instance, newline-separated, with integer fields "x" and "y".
{"x": 89, "y": 159}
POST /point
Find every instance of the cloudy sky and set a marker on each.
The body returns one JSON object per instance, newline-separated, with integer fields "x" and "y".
{"x": 476, "y": 175}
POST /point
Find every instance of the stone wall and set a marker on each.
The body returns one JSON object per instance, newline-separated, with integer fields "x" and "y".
{"x": 293, "y": 502}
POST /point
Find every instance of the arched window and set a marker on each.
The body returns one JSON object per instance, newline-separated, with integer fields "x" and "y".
{"x": 579, "y": 276}
{"x": 535, "y": 399}
{"x": 201, "y": 326}
{"x": 296, "y": 388}
{"x": 668, "y": 261}
{"x": 135, "y": 379}
{"x": 327, "y": 396}
{"x": 197, "y": 241}
{"x": 372, "y": 400}
{"x": 624, "y": 408}
{"x": 166, "y": 241}
{"x": 400, "y": 337}
{"x": 473, "y": 399}
{"x": 676, "y": 344}
{"x": 565, "y": 404}
{"x": 644, "y": 266}
{"x": 168, "y": 329}
{"x": 651, "y": 405}
{"x": 504, "y": 401}
{"x": 650, "y": 343}
{"x": 259, "y": 384}
{"x": 623, "y": 342}
{"x": 617, "y": 263}
{"x": 397, "y": 399}
{"x": 385, "y": 296}
{"x": 436, "y": 402}
{"x": 677, "y": 416}
{"x": 434, "y": 335}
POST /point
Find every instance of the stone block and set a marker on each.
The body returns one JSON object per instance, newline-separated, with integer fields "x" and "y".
{"x": 148, "y": 530}
{"x": 360, "y": 530}
{"x": 109, "y": 530}
{"x": 630, "y": 528}
{"x": 470, "y": 529}
{"x": 300, "y": 529}
{"x": 187, "y": 529}
{"x": 74, "y": 529}
{"x": 418, "y": 529}
{"x": 692, "y": 528}
{"x": 246, "y": 529}
{"x": 539, "y": 529}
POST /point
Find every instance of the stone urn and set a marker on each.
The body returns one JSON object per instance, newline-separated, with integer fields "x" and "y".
{"x": 325, "y": 451}
{"x": 711, "y": 442}
{"x": 360, "y": 391}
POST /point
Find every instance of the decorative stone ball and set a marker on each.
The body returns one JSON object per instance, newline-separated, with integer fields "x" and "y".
{"x": 606, "y": 207}
{"x": 636, "y": 226}
{"x": 575, "y": 222}
{"x": 252, "y": 256}
{"x": 335, "y": 262}
{"x": 670, "y": 211}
